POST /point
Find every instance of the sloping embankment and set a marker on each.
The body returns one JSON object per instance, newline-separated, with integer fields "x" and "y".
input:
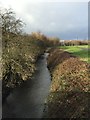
{"x": 19, "y": 61}
{"x": 69, "y": 91}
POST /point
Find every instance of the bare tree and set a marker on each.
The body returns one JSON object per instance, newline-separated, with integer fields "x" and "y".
{"x": 10, "y": 24}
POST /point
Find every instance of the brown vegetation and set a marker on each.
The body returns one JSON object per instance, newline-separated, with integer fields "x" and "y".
{"x": 57, "y": 56}
{"x": 69, "y": 91}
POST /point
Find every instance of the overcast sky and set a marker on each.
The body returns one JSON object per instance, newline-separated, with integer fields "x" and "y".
{"x": 66, "y": 20}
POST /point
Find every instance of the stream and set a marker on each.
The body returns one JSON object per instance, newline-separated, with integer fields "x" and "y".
{"x": 27, "y": 101}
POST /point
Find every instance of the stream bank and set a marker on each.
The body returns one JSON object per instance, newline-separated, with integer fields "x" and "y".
{"x": 27, "y": 101}
{"x": 69, "y": 90}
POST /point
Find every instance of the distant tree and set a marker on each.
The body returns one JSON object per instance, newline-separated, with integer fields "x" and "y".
{"x": 54, "y": 41}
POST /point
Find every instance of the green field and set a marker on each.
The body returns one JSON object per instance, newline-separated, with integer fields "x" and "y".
{"x": 81, "y": 51}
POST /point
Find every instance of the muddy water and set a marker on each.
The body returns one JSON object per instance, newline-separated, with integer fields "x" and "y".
{"x": 28, "y": 100}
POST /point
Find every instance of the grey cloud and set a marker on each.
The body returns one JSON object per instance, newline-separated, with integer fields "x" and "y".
{"x": 64, "y": 20}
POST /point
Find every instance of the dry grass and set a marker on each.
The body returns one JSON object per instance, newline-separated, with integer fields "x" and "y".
{"x": 69, "y": 91}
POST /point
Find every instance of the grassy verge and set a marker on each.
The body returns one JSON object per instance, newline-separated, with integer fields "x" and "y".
{"x": 80, "y": 51}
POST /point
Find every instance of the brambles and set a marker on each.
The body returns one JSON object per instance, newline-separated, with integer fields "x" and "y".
{"x": 20, "y": 55}
{"x": 72, "y": 74}
{"x": 69, "y": 91}
{"x": 57, "y": 56}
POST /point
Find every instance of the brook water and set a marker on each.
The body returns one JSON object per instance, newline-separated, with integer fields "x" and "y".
{"x": 28, "y": 100}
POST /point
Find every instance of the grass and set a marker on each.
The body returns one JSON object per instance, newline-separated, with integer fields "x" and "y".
{"x": 80, "y": 51}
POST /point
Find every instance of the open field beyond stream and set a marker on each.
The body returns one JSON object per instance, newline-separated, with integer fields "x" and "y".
{"x": 81, "y": 51}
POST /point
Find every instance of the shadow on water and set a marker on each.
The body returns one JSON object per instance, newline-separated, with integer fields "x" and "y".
{"x": 28, "y": 100}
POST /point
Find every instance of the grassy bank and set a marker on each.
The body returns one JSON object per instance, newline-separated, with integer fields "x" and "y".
{"x": 80, "y": 51}
{"x": 69, "y": 91}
